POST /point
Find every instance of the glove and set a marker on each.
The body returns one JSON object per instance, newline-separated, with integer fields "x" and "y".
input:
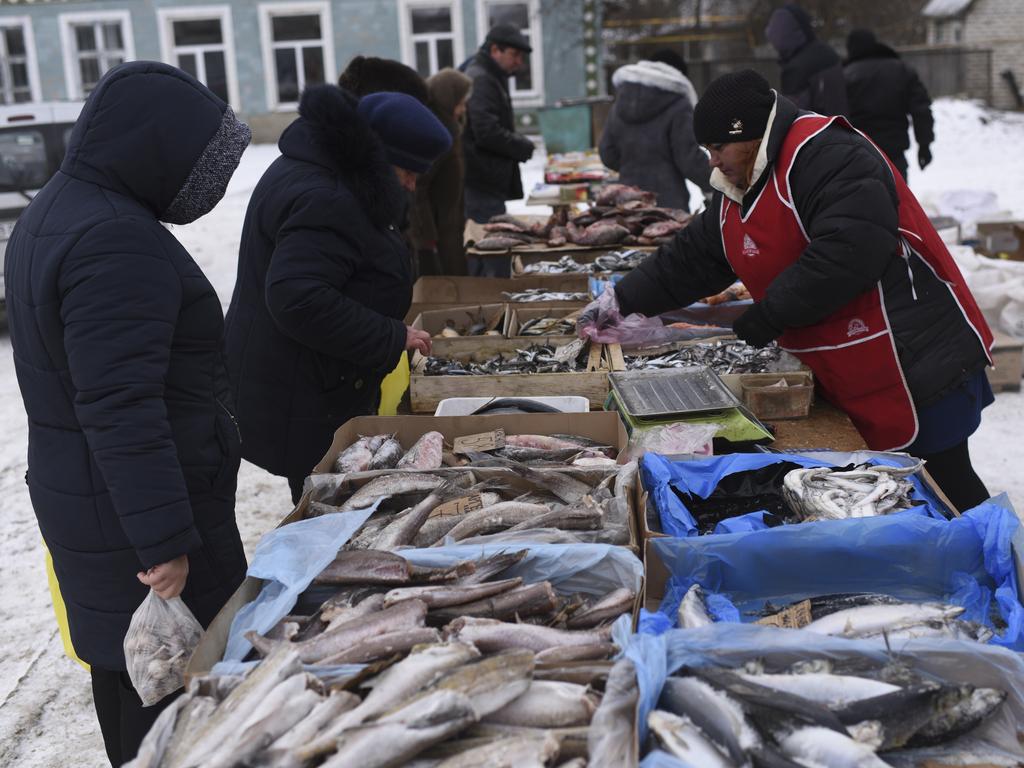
{"x": 924, "y": 157}
{"x": 602, "y": 312}
{"x": 755, "y": 328}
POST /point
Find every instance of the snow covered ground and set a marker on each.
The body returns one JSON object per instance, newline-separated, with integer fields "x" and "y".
{"x": 46, "y": 716}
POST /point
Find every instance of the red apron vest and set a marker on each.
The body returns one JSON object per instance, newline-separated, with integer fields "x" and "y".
{"x": 852, "y": 352}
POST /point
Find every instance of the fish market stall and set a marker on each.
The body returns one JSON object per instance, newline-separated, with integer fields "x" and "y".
{"x": 445, "y": 292}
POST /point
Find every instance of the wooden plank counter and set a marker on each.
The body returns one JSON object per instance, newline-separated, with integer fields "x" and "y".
{"x": 826, "y": 427}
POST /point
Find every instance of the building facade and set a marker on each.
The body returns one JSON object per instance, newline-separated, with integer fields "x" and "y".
{"x": 259, "y": 55}
{"x": 993, "y": 25}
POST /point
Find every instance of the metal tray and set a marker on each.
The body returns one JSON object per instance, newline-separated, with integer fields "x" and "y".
{"x": 655, "y": 394}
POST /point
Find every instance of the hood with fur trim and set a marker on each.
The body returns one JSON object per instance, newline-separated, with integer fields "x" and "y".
{"x": 329, "y": 132}
{"x": 647, "y": 88}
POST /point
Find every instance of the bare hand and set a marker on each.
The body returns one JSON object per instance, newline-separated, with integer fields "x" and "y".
{"x": 418, "y": 340}
{"x": 167, "y": 579}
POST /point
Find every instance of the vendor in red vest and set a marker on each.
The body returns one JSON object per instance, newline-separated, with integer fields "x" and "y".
{"x": 846, "y": 272}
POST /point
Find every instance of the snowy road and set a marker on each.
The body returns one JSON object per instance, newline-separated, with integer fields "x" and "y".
{"x": 46, "y": 717}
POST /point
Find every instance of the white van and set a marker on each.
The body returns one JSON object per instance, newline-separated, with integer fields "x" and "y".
{"x": 33, "y": 139}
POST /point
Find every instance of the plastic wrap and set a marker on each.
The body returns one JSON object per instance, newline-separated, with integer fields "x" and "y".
{"x": 672, "y": 439}
{"x": 602, "y": 322}
{"x": 666, "y": 481}
{"x": 966, "y": 561}
{"x": 289, "y": 558}
{"x": 729, "y": 646}
{"x": 159, "y": 642}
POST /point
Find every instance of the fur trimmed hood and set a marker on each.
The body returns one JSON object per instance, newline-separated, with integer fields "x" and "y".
{"x": 330, "y": 132}
{"x": 654, "y": 74}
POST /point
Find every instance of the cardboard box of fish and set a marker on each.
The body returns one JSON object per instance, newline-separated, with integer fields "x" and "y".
{"x": 479, "y": 487}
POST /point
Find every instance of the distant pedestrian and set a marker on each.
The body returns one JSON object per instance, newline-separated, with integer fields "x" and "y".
{"x": 117, "y": 338}
{"x": 324, "y": 280}
{"x": 492, "y": 148}
{"x": 438, "y": 229}
{"x": 812, "y": 72}
{"x": 883, "y": 90}
{"x": 648, "y": 137}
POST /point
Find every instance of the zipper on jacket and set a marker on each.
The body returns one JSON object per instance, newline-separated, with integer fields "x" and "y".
{"x": 232, "y": 417}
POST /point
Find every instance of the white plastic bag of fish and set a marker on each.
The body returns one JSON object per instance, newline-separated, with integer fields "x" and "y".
{"x": 158, "y": 645}
{"x": 675, "y": 439}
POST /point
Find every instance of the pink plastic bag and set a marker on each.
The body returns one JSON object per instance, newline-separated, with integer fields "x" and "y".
{"x": 602, "y": 322}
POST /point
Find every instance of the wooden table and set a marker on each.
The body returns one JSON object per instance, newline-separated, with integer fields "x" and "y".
{"x": 826, "y": 427}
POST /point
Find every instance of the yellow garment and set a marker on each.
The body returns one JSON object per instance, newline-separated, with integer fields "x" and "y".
{"x": 393, "y": 387}
{"x": 60, "y": 611}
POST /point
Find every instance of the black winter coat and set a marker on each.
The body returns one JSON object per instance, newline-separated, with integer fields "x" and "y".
{"x": 492, "y": 148}
{"x": 882, "y": 90}
{"x": 813, "y": 79}
{"x": 116, "y": 334}
{"x": 324, "y": 282}
{"x": 649, "y": 137}
{"x": 439, "y": 218}
{"x": 846, "y": 198}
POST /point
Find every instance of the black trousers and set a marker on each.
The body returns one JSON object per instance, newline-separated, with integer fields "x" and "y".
{"x": 953, "y": 472}
{"x": 123, "y": 720}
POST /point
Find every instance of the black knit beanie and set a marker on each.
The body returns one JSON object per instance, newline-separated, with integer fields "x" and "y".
{"x": 734, "y": 107}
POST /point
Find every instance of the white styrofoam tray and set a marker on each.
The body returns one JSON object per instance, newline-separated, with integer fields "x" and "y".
{"x": 464, "y": 406}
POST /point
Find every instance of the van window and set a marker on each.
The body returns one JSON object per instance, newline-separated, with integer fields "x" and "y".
{"x": 23, "y": 159}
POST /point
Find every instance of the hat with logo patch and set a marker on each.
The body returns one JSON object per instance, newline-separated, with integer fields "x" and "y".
{"x": 734, "y": 107}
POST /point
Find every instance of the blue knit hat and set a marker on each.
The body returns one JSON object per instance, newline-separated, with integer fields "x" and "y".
{"x": 412, "y": 136}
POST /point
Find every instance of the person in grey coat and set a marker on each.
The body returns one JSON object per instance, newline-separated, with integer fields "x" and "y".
{"x": 649, "y": 138}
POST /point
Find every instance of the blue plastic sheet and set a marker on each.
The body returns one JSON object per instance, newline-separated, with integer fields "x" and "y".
{"x": 966, "y": 561}
{"x": 288, "y": 559}
{"x": 720, "y": 645}
{"x": 659, "y": 759}
{"x": 700, "y": 477}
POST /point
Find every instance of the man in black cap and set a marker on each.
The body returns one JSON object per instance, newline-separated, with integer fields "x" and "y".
{"x": 492, "y": 148}
{"x": 846, "y": 272}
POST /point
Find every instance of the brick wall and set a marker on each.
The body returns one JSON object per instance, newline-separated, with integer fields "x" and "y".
{"x": 999, "y": 26}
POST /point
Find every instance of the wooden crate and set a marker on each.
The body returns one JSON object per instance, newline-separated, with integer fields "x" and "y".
{"x": 455, "y": 291}
{"x": 1009, "y": 363}
{"x": 433, "y": 322}
{"x": 425, "y": 392}
{"x": 520, "y": 314}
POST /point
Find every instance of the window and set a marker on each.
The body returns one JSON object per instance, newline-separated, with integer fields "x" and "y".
{"x": 93, "y": 44}
{"x": 526, "y": 87}
{"x": 199, "y": 40}
{"x": 23, "y": 160}
{"x": 431, "y": 35}
{"x": 18, "y": 74}
{"x": 297, "y": 50}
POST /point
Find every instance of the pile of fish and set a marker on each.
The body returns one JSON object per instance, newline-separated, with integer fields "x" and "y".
{"x": 613, "y": 261}
{"x": 859, "y": 616}
{"x": 824, "y": 493}
{"x": 621, "y": 215}
{"x": 568, "y": 486}
{"x": 450, "y": 704}
{"x": 548, "y": 326}
{"x": 385, "y": 452}
{"x": 542, "y": 294}
{"x": 378, "y": 604}
{"x": 537, "y": 358}
{"x": 817, "y": 713}
{"x": 476, "y": 325}
{"x": 720, "y": 356}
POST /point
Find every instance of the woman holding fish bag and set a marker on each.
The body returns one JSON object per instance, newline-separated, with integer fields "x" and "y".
{"x": 116, "y": 331}
{"x": 846, "y": 271}
{"x": 324, "y": 276}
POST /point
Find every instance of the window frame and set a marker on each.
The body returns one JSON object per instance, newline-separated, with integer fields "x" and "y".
{"x": 31, "y": 60}
{"x": 535, "y": 96}
{"x": 267, "y": 12}
{"x": 168, "y": 50}
{"x": 69, "y": 49}
{"x": 409, "y": 40}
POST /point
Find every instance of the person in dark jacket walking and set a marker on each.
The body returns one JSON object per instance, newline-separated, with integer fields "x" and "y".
{"x": 882, "y": 90}
{"x": 846, "y": 271}
{"x": 438, "y": 229}
{"x": 812, "y": 73}
{"x": 649, "y": 139}
{"x": 116, "y": 332}
{"x": 492, "y": 148}
{"x": 324, "y": 279}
